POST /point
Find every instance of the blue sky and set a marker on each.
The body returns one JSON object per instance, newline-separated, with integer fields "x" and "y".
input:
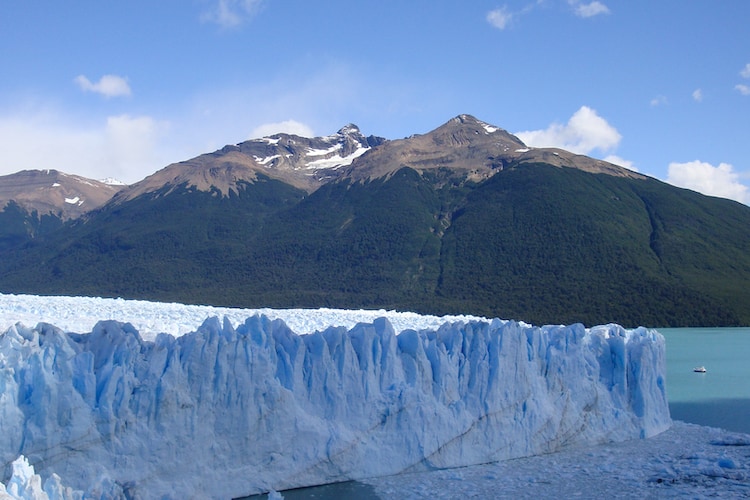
{"x": 121, "y": 89}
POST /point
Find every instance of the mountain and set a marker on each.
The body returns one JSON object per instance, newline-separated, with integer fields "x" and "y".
{"x": 34, "y": 202}
{"x": 51, "y": 192}
{"x": 469, "y": 146}
{"x": 302, "y": 162}
{"x": 463, "y": 219}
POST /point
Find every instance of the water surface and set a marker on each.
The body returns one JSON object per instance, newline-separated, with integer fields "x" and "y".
{"x": 337, "y": 491}
{"x": 721, "y": 396}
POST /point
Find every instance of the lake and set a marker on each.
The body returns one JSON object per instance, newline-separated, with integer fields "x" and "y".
{"x": 721, "y": 396}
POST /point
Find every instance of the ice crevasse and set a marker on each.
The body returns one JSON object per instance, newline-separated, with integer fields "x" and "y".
{"x": 230, "y": 411}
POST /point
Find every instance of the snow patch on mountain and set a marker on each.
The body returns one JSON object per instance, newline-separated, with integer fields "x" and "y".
{"x": 336, "y": 161}
{"x": 111, "y": 181}
{"x": 266, "y": 160}
{"x": 489, "y": 128}
{"x": 323, "y": 152}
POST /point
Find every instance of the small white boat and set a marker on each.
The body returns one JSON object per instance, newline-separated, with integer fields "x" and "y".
{"x": 700, "y": 369}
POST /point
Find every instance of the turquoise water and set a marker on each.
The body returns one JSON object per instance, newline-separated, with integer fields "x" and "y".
{"x": 721, "y": 396}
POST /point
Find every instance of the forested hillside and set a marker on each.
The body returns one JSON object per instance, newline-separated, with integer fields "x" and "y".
{"x": 535, "y": 242}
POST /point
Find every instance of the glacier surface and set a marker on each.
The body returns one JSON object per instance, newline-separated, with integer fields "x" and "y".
{"x": 234, "y": 409}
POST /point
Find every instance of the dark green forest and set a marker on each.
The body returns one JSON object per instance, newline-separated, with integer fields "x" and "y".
{"x": 534, "y": 242}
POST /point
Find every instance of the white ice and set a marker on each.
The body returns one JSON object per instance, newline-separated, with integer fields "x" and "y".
{"x": 80, "y": 314}
{"x": 248, "y": 405}
{"x": 24, "y": 483}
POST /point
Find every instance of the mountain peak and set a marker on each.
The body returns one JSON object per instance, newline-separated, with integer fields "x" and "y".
{"x": 467, "y": 131}
{"x": 469, "y": 122}
{"x": 463, "y": 118}
{"x": 348, "y": 129}
{"x": 464, "y": 145}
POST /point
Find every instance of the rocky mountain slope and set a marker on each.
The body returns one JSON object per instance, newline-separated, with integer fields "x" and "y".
{"x": 302, "y": 162}
{"x": 53, "y": 192}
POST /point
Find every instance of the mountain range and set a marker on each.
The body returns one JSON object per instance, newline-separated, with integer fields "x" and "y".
{"x": 463, "y": 219}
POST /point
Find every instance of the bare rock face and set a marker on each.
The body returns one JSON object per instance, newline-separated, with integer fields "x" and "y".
{"x": 53, "y": 192}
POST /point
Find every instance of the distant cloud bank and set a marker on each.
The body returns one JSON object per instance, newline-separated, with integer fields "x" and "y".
{"x": 123, "y": 146}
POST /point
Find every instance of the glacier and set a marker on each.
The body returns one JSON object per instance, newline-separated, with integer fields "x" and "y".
{"x": 231, "y": 410}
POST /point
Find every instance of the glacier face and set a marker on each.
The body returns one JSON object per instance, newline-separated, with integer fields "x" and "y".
{"x": 229, "y": 411}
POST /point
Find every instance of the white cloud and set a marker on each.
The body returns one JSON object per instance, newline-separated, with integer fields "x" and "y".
{"x": 621, "y": 162}
{"x": 499, "y": 18}
{"x": 742, "y": 89}
{"x": 502, "y": 17}
{"x": 132, "y": 142}
{"x": 658, "y": 101}
{"x": 703, "y": 177}
{"x": 288, "y": 127}
{"x": 698, "y": 95}
{"x": 231, "y": 13}
{"x": 590, "y": 9}
{"x": 124, "y": 147}
{"x": 108, "y": 85}
{"x": 584, "y": 132}
{"x": 745, "y": 73}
